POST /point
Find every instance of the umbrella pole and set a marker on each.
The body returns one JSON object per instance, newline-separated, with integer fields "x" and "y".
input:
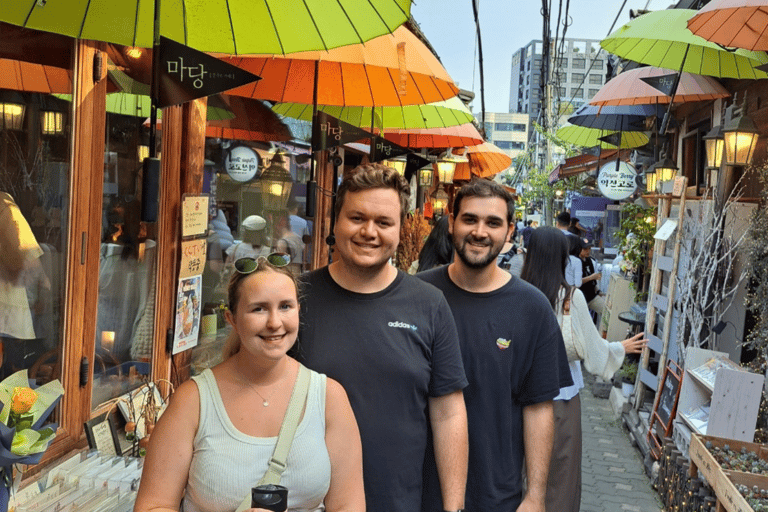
{"x": 312, "y": 183}
{"x": 155, "y": 81}
{"x": 667, "y": 115}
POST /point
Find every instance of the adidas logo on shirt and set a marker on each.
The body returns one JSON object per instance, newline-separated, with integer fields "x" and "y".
{"x": 402, "y": 325}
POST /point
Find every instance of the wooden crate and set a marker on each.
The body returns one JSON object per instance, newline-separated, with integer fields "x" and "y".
{"x": 724, "y": 481}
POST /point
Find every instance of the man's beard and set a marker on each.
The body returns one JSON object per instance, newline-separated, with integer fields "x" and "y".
{"x": 490, "y": 258}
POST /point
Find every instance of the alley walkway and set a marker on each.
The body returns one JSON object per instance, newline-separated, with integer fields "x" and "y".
{"x": 613, "y": 478}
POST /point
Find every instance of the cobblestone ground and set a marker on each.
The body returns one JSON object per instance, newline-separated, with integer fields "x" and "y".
{"x": 613, "y": 478}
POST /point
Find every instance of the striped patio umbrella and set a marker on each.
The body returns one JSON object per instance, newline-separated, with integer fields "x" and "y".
{"x": 733, "y": 23}
{"x": 590, "y": 137}
{"x": 627, "y": 88}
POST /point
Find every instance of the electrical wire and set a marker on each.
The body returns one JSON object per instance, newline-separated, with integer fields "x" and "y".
{"x": 475, "y": 9}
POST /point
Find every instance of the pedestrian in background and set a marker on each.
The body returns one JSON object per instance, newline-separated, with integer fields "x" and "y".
{"x": 437, "y": 249}
{"x": 545, "y": 264}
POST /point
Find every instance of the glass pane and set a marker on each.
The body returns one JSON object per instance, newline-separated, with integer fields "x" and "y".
{"x": 34, "y": 190}
{"x": 127, "y": 266}
{"x": 249, "y": 216}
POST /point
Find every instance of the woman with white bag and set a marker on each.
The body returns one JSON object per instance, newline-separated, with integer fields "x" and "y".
{"x": 544, "y": 268}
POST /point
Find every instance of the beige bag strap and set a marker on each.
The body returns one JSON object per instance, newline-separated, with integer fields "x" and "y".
{"x": 277, "y": 463}
{"x": 288, "y": 429}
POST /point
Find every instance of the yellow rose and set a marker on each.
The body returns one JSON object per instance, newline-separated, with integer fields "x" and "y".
{"x": 23, "y": 400}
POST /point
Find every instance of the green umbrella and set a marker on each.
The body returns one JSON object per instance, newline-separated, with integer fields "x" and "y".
{"x": 232, "y": 27}
{"x": 590, "y": 137}
{"x": 442, "y": 114}
{"x": 662, "y": 38}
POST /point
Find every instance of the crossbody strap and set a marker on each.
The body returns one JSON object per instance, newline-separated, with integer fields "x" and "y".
{"x": 277, "y": 463}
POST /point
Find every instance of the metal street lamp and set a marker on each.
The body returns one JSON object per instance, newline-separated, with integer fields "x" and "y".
{"x": 665, "y": 170}
{"x": 12, "y": 112}
{"x": 446, "y": 166}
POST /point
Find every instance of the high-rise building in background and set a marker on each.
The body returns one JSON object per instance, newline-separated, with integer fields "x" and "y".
{"x": 578, "y": 68}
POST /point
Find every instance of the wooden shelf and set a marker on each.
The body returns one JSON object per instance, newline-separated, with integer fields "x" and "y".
{"x": 701, "y": 381}
{"x": 690, "y": 424}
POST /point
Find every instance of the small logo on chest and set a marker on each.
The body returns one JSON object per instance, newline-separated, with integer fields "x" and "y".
{"x": 502, "y": 343}
{"x": 402, "y": 325}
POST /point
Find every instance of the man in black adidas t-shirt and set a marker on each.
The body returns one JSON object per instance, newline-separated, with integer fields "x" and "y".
{"x": 514, "y": 358}
{"x": 390, "y": 340}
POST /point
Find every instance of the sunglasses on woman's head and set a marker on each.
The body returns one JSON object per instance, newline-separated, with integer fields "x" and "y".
{"x": 248, "y": 265}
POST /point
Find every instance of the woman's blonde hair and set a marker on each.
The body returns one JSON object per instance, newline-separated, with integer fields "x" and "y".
{"x": 232, "y": 345}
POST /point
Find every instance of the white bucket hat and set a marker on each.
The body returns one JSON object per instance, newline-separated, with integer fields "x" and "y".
{"x": 254, "y": 223}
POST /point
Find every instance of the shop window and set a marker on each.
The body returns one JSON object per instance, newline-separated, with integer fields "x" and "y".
{"x": 249, "y": 218}
{"x": 127, "y": 266}
{"x": 34, "y": 196}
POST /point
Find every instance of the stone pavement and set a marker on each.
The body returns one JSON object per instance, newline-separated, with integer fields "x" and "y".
{"x": 613, "y": 477}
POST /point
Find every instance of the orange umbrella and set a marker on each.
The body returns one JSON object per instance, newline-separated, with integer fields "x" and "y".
{"x": 452, "y": 137}
{"x": 390, "y": 70}
{"x": 253, "y": 121}
{"x": 25, "y": 76}
{"x": 485, "y": 160}
{"x": 628, "y": 89}
{"x": 733, "y": 23}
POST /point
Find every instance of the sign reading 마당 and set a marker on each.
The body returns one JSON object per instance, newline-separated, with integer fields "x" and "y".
{"x": 617, "y": 181}
{"x": 242, "y": 164}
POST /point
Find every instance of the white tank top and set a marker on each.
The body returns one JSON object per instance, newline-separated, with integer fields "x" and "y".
{"x": 226, "y": 463}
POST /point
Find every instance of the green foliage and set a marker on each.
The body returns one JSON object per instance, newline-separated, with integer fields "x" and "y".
{"x": 757, "y": 254}
{"x": 627, "y": 372}
{"x": 635, "y": 237}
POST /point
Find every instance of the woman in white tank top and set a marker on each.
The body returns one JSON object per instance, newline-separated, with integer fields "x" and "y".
{"x": 214, "y": 442}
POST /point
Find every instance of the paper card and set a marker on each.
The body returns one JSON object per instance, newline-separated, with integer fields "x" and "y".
{"x": 188, "y": 309}
{"x": 194, "y": 215}
{"x": 666, "y": 230}
{"x": 192, "y": 258}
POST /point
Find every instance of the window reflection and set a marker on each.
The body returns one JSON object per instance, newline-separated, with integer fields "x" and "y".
{"x": 127, "y": 267}
{"x": 250, "y": 218}
{"x": 34, "y": 181}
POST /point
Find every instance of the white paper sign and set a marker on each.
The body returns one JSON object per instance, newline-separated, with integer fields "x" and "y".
{"x": 666, "y": 230}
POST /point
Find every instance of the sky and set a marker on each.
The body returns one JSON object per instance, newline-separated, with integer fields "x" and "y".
{"x": 506, "y": 26}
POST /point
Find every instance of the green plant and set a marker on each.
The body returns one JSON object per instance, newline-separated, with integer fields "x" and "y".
{"x": 627, "y": 372}
{"x": 635, "y": 237}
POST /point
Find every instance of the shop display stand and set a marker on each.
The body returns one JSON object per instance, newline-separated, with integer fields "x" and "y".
{"x": 718, "y": 397}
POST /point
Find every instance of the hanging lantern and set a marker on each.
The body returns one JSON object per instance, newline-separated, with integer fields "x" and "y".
{"x": 275, "y": 185}
{"x": 398, "y": 165}
{"x": 440, "y": 202}
{"x": 714, "y": 144}
{"x": 426, "y": 175}
{"x": 11, "y": 115}
{"x": 740, "y": 135}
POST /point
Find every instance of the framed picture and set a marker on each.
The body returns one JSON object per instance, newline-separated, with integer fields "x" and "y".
{"x": 101, "y": 435}
{"x": 134, "y": 402}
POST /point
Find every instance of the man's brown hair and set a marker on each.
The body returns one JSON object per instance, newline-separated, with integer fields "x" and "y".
{"x": 371, "y": 176}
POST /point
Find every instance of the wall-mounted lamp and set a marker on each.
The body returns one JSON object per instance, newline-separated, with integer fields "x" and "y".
{"x": 714, "y": 144}
{"x": 426, "y": 176}
{"x": 398, "y": 165}
{"x": 740, "y": 134}
{"x": 650, "y": 180}
{"x": 446, "y": 167}
{"x": 275, "y": 184}
{"x": 665, "y": 170}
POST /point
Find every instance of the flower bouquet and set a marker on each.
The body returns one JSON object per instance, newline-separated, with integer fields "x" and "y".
{"x": 23, "y": 440}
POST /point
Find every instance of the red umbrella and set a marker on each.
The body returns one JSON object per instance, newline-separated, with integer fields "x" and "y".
{"x": 253, "y": 121}
{"x": 627, "y": 88}
{"x": 452, "y": 137}
{"x": 733, "y": 23}
{"x": 485, "y": 160}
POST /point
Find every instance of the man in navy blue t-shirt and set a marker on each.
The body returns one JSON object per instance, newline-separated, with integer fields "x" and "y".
{"x": 513, "y": 356}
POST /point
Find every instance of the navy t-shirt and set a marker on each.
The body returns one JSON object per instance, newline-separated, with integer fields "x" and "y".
{"x": 391, "y": 350}
{"x": 514, "y": 356}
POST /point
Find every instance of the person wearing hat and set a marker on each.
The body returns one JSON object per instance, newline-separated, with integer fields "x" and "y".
{"x": 595, "y": 300}
{"x": 254, "y": 242}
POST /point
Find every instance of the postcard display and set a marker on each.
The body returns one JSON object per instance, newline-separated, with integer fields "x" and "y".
{"x": 718, "y": 398}
{"x": 86, "y": 482}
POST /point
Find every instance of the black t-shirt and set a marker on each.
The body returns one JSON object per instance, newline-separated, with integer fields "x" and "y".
{"x": 514, "y": 356}
{"x": 589, "y": 289}
{"x": 391, "y": 350}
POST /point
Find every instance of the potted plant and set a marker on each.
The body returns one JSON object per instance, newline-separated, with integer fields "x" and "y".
{"x": 626, "y": 376}
{"x": 635, "y": 239}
